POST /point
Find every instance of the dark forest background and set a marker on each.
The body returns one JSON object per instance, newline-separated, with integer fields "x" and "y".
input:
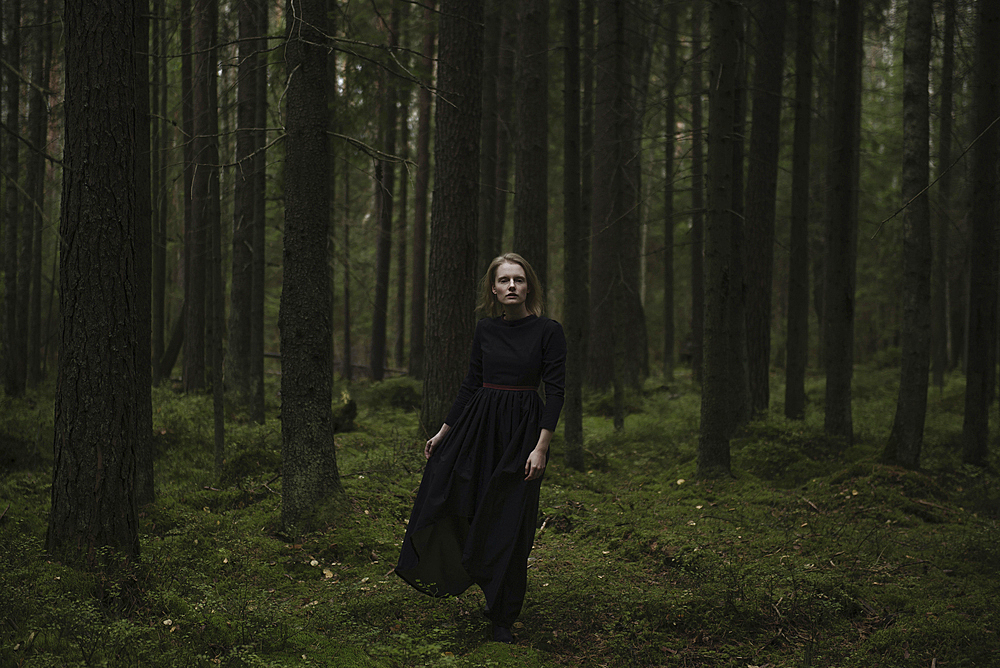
{"x": 204, "y": 194}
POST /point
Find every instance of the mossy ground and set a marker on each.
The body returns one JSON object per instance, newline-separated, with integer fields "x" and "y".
{"x": 813, "y": 555}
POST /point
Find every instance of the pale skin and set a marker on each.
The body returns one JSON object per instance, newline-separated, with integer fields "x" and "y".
{"x": 511, "y": 288}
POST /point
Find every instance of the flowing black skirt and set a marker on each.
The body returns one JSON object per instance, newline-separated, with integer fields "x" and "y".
{"x": 473, "y": 521}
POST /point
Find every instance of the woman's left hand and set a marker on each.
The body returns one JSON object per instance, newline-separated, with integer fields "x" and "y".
{"x": 535, "y": 465}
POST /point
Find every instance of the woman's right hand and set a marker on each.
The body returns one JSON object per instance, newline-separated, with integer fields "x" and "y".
{"x": 435, "y": 440}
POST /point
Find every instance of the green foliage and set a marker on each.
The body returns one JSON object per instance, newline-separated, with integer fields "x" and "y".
{"x": 813, "y": 555}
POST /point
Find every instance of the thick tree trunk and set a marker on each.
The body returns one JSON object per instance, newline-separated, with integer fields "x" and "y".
{"x": 907, "y": 435}
{"x": 418, "y": 281}
{"x": 797, "y": 348}
{"x": 842, "y": 224}
{"x": 158, "y": 258}
{"x": 575, "y": 300}
{"x": 762, "y": 184}
{"x": 982, "y": 333}
{"x": 531, "y": 75}
{"x": 308, "y": 455}
{"x": 97, "y": 415}
{"x": 721, "y": 275}
{"x": 505, "y": 115}
{"x": 452, "y": 276}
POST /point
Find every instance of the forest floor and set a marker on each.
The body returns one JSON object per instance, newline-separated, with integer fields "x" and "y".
{"x": 812, "y": 555}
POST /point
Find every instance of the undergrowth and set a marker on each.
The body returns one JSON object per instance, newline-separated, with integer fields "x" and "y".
{"x": 813, "y": 554}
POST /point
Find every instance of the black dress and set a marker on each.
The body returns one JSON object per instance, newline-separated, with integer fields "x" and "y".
{"x": 474, "y": 517}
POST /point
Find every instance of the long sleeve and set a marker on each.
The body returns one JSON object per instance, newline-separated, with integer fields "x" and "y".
{"x": 553, "y": 373}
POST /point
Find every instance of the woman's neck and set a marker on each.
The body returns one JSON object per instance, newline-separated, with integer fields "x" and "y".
{"x": 512, "y": 313}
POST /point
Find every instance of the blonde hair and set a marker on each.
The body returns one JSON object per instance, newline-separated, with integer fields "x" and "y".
{"x": 490, "y": 306}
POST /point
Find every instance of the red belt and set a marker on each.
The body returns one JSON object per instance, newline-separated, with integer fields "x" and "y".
{"x": 516, "y": 388}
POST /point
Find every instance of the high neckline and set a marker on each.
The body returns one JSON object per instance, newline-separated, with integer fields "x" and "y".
{"x": 519, "y": 321}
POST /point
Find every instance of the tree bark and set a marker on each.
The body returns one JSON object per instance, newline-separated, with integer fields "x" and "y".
{"x": 451, "y": 293}
{"x": 721, "y": 277}
{"x": 696, "y": 345}
{"x": 158, "y": 257}
{"x": 907, "y": 435}
{"x": 240, "y": 380}
{"x": 797, "y": 348}
{"x": 575, "y": 300}
{"x": 982, "y": 332}
{"x": 97, "y": 415}
{"x": 842, "y": 224}
{"x": 671, "y": 77}
{"x": 762, "y": 184}
{"x": 385, "y": 190}
{"x": 418, "y": 280}
{"x": 939, "y": 296}
{"x": 14, "y": 336}
{"x": 490, "y": 229}
{"x": 308, "y": 455}
{"x": 531, "y": 72}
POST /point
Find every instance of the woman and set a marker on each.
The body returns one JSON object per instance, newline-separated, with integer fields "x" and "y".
{"x": 474, "y": 518}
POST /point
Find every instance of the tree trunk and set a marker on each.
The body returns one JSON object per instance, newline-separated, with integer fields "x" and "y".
{"x": 308, "y": 455}
{"x": 38, "y": 119}
{"x": 797, "y": 348}
{"x": 907, "y": 435}
{"x": 982, "y": 332}
{"x": 671, "y": 76}
{"x": 696, "y": 344}
{"x": 402, "y": 213}
{"x": 238, "y": 363}
{"x": 451, "y": 293}
{"x": 490, "y": 229}
{"x": 259, "y": 225}
{"x": 505, "y": 115}
{"x": 385, "y": 185}
{"x": 143, "y": 241}
{"x": 762, "y": 184}
{"x": 721, "y": 277}
{"x": 942, "y": 219}
{"x": 418, "y": 282}
{"x": 14, "y": 336}
{"x": 97, "y": 416}
{"x": 531, "y": 73}
{"x": 842, "y": 224}
{"x": 158, "y": 258}
{"x": 575, "y": 300}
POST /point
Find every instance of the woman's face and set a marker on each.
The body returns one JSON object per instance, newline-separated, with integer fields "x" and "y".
{"x": 510, "y": 286}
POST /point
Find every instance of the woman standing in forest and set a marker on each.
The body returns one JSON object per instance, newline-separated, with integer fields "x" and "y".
{"x": 474, "y": 518}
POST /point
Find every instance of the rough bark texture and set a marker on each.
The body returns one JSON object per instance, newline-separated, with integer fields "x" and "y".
{"x": 418, "y": 280}
{"x": 907, "y": 435}
{"x": 842, "y": 224}
{"x": 982, "y": 334}
{"x": 797, "y": 347}
{"x": 452, "y": 271}
{"x": 531, "y": 202}
{"x": 308, "y": 454}
{"x": 720, "y": 274}
{"x": 97, "y": 415}
{"x": 575, "y": 301}
{"x": 762, "y": 184}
